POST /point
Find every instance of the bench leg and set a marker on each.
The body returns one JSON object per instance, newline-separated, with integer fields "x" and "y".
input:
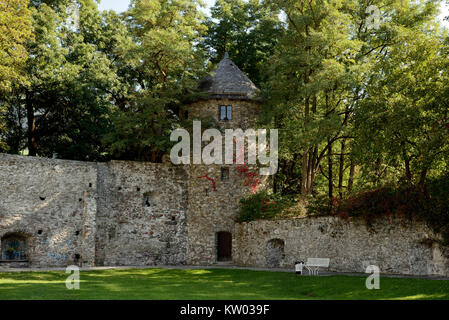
{"x": 312, "y": 271}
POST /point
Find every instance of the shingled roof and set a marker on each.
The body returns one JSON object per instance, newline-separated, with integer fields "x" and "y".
{"x": 228, "y": 82}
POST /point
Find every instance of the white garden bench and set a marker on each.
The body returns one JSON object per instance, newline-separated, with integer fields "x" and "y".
{"x": 313, "y": 264}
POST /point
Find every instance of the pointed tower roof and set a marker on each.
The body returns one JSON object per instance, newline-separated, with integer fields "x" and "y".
{"x": 228, "y": 82}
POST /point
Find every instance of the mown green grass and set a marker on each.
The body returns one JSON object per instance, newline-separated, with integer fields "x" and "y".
{"x": 211, "y": 284}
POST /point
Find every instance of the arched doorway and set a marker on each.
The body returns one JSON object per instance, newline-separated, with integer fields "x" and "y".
{"x": 14, "y": 247}
{"x": 275, "y": 253}
{"x": 224, "y": 246}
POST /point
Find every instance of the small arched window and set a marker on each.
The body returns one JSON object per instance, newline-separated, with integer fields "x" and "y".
{"x": 14, "y": 247}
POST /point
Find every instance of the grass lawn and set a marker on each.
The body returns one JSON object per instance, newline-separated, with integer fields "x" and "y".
{"x": 211, "y": 284}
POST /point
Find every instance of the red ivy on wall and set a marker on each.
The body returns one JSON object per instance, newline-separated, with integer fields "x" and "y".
{"x": 251, "y": 177}
{"x": 210, "y": 179}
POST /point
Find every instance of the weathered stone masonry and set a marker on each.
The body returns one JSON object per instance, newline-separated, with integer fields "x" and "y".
{"x": 396, "y": 246}
{"x": 52, "y": 204}
{"x": 211, "y": 212}
{"x": 118, "y": 213}
{"x": 130, "y": 213}
{"x": 141, "y": 217}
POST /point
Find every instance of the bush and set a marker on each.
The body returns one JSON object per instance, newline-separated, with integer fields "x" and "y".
{"x": 263, "y": 205}
{"x": 431, "y": 206}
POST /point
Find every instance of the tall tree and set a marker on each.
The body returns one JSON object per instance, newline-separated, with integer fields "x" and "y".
{"x": 323, "y": 72}
{"x": 167, "y": 65}
{"x": 309, "y": 94}
{"x": 72, "y": 81}
{"x": 15, "y": 31}
{"x": 404, "y": 122}
{"x": 248, "y": 30}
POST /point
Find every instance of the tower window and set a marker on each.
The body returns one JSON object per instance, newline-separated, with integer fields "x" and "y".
{"x": 225, "y": 113}
{"x": 224, "y": 174}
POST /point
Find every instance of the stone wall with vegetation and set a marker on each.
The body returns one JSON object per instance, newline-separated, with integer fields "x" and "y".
{"x": 395, "y": 246}
{"x": 214, "y": 198}
{"x": 133, "y": 213}
{"x": 212, "y": 210}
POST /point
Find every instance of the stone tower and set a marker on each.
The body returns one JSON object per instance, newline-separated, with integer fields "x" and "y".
{"x": 228, "y": 86}
{"x": 215, "y": 190}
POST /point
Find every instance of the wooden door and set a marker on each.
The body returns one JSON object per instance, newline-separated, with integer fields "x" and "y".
{"x": 224, "y": 246}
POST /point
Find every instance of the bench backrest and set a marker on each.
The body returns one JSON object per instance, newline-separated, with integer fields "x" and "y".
{"x": 318, "y": 262}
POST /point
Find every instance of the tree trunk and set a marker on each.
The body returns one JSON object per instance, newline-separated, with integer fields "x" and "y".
{"x": 275, "y": 184}
{"x": 342, "y": 168}
{"x": 351, "y": 176}
{"x": 313, "y": 168}
{"x": 377, "y": 170}
{"x": 422, "y": 180}
{"x": 31, "y": 133}
{"x": 408, "y": 173}
{"x": 304, "y": 174}
{"x": 305, "y": 156}
{"x": 329, "y": 166}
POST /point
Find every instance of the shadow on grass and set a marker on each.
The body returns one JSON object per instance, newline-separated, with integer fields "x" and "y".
{"x": 174, "y": 284}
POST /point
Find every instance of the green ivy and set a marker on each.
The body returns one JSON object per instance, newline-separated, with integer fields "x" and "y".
{"x": 263, "y": 205}
{"x": 430, "y": 206}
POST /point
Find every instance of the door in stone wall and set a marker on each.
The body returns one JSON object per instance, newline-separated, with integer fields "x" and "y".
{"x": 224, "y": 246}
{"x": 275, "y": 253}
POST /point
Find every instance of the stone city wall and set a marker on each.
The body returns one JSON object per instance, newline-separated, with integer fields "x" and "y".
{"x": 396, "y": 247}
{"x": 212, "y": 211}
{"x": 69, "y": 212}
{"x": 133, "y": 213}
{"x": 52, "y": 205}
{"x": 141, "y": 217}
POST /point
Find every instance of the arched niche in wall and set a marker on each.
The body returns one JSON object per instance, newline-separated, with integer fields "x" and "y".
{"x": 275, "y": 253}
{"x": 15, "y": 247}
